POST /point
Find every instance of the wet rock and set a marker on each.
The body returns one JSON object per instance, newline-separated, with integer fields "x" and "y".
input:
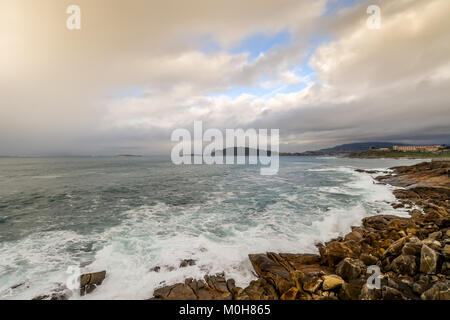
{"x": 61, "y": 292}
{"x": 90, "y": 281}
{"x": 155, "y": 269}
{"x": 331, "y": 282}
{"x": 428, "y": 260}
{"x": 350, "y": 269}
{"x": 187, "y": 262}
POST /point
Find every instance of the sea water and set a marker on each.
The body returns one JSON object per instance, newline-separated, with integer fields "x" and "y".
{"x": 129, "y": 215}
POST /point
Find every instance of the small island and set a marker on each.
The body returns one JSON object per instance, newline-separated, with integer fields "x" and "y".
{"x": 128, "y": 156}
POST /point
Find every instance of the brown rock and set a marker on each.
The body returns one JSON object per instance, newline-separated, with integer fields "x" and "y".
{"x": 351, "y": 290}
{"x": 439, "y": 291}
{"x": 404, "y": 265}
{"x": 396, "y": 248}
{"x": 368, "y": 259}
{"x": 412, "y": 249}
{"x": 446, "y": 251}
{"x": 428, "y": 260}
{"x": 312, "y": 284}
{"x": 331, "y": 282}
{"x": 334, "y": 251}
{"x": 350, "y": 269}
{"x": 272, "y": 272}
{"x": 291, "y": 294}
{"x": 90, "y": 281}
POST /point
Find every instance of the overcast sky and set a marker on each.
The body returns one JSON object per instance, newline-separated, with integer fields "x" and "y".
{"x": 138, "y": 69}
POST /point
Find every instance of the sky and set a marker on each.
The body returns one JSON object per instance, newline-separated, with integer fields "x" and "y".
{"x": 139, "y": 69}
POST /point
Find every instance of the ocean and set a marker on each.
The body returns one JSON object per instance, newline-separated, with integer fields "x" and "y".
{"x": 129, "y": 215}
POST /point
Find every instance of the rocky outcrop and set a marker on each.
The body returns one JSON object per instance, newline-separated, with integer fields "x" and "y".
{"x": 411, "y": 254}
{"x": 90, "y": 281}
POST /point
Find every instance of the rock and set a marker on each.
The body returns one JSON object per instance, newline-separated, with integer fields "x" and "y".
{"x": 433, "y": 244}
{"x": 428, "y": 260}
{"x": 435, "y": 235}
{"x": 350, "y": 269}
{"x": 389, "y": 293}
{"x": 61, "y": 292}
{"x": 439, "y": 291}
{"x": 312, "y": 284}
{"x": 187, "y": 262}
{"x": 370, "y": 294}
{"x": 446, "y": 251}
{"x": 396, "y": 248}
{"x": 179, "y": 291}
{"x": 155, "y": 269}
{"x": 334, "y": 251}
{"x": 331, "y": 282}
{"x": 404, "y": 264}
{"x": 90, "y": 281}
{"x": 368, "y": 259}
{"x": 412, "y": 249}
{"x": 291, "y": 294}
{"x": 258, "y": 290}
{"x": 351, "y": 290}
{"x": 272, "y": 272}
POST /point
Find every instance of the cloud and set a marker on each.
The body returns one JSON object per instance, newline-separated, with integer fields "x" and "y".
{"x": 139, "y": 69}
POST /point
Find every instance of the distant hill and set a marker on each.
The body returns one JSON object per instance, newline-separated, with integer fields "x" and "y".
{"x": 346, "y": 149}
{"x": 246, "y": 151}
{"x": 361, "y": 146}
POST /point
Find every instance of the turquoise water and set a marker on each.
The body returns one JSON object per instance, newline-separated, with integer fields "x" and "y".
{"x": 127, "y": 215}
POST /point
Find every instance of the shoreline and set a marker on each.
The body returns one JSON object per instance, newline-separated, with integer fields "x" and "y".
{"x": 412, "y": 254}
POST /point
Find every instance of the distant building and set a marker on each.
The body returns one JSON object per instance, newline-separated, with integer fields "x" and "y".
{"x": 383, "y": 149}
{"x": 418, "y": 148}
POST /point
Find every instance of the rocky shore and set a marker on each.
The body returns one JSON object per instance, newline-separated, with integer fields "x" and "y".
{"x": 411, "y": 254}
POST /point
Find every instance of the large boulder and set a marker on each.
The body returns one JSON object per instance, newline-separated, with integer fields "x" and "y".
{"x": 350, "y": 269}
{"x": 332, "y": 282}
{"x": 272, "y": 272}
{"x": 428, "y": 260}
{"x": 90, "y": 281}
{"x": 335, "y": 251}
{"x": 404, "y": 265}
